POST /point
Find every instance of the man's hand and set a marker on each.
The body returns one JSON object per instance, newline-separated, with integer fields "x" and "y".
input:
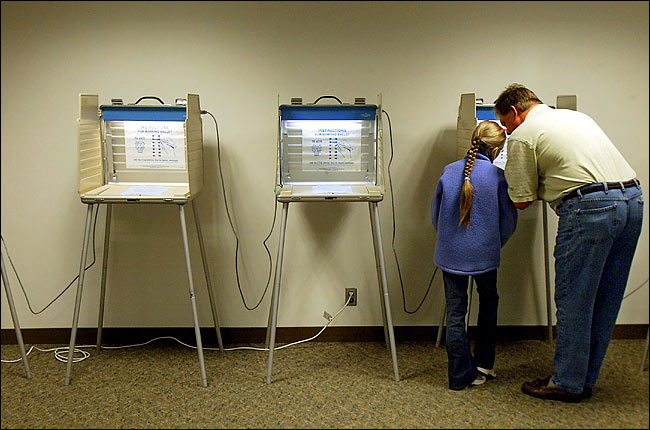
{"x": 523, "y": 205}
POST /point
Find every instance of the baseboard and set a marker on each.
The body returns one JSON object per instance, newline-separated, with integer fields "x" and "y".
{"x": 245, "y": 335}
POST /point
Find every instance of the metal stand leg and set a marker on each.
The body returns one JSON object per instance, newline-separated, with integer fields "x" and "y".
{"x": 374, "y": 215}
{"x": 107, "y": 234}
{"x": 14, "y": 317}
{"x": 275, "y": 298}
{"x": 381, "y": 295}
{"x": 547, "y": 273}
{"x": 197, "y": 330}
{"x": 645, "y": 353}
{"x": 77, "y": 304}
{"x": 268, "y": 323}
{"x": 206, "y": 270}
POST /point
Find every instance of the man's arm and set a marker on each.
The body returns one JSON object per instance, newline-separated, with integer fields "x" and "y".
{"x": 521, "y": 173}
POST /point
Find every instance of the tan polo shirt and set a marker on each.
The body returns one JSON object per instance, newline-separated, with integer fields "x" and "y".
{"x": 555, "y": 151}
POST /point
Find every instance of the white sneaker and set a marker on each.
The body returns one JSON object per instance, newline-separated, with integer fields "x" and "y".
{"x": 489, "y": 374}
{"x": 480, "y": 379}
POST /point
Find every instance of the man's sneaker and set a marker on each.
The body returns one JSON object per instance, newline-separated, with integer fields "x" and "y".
{"x": 489, "y": 374}
{"x": 480, "y": 379}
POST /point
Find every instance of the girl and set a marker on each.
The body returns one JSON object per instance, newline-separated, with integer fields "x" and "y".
{"x": 473, "y": 217}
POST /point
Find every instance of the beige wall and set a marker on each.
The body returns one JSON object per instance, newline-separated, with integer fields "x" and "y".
{"x": 238, "y": 57}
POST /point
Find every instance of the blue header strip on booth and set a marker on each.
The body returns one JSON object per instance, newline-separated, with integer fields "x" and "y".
{"x": 328, "y": 112}
{"x": 143, "y": 113}
{"x": 485, "y": 112}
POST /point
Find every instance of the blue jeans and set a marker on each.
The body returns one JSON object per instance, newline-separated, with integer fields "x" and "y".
{"x": 596, "y": 240}
{"x": 462, "y": 365}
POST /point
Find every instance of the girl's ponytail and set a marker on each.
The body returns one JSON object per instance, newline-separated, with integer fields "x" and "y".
{"x": 467, "y": 192}
{"x": 488, "y": 135}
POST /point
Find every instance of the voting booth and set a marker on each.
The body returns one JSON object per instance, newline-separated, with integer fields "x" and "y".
{"x": 330, "y": 152}
{"x": 141, "y": 153}
{"x": 471, "y": 111}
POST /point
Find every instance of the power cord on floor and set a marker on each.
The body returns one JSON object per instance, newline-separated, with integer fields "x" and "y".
{"x": 225, "y": 201}
{"x": 61, "y": 353}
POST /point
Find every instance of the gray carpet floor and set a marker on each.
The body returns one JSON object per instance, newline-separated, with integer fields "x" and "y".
{"x": 315, "y": 385}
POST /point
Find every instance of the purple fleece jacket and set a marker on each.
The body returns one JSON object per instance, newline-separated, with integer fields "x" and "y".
{"x": 474, "y": 249}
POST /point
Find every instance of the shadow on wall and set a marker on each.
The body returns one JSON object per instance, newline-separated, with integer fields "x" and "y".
{"x": 221, "y": 243}
{"x": 325, "y": 220}
{"x": 522, "y": 259}
{"x": 522, "y": 283}
{"x": 147, "y": 275}
{"x": 326, "y": 224}
{"x": 414, "y": 179}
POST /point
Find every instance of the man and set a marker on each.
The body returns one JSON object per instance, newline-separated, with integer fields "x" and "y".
{"x": 563, "y": 157}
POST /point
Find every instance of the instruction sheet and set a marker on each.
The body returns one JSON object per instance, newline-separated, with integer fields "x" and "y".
{"x": 331, "y": 146}
{"x": 154, "y": 144}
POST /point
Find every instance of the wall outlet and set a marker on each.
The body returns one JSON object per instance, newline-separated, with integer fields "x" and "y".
{"x": 353, "y": 293}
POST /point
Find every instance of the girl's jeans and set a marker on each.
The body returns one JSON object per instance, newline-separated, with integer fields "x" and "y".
{"x": 462, "y": 365}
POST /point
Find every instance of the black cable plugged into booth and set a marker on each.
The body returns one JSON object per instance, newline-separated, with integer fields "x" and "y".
{"x": 20, "y": 282}
{"x": 232, "y": 226}
{"x": 392, "y": 203}
{"x": 275, "y": 218}
{"x": 62, "y": 353}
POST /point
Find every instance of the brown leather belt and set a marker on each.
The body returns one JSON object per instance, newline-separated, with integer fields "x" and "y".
{"x": 600, "y": 186}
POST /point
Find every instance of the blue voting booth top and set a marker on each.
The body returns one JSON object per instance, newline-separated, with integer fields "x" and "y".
{"x": 485, "y": 113}
{"x": 328, "y": 112}
{"x": 143, "y": 113}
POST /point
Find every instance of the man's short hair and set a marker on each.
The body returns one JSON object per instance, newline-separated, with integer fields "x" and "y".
{"x": 515, "y": 95}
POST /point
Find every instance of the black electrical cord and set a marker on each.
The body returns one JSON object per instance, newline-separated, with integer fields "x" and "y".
{"x": 392, "y": 202}
{"x": 225, "y": 201}
{"x": 66, "y": 288}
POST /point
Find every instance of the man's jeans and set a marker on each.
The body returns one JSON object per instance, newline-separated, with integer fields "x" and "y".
{"x": 462, "y": 366}
{"x": 596, "y": 239}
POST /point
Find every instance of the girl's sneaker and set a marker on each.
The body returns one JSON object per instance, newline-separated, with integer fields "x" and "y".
{"x": 480, "y": 379}
{"x": 488, "y": 374}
